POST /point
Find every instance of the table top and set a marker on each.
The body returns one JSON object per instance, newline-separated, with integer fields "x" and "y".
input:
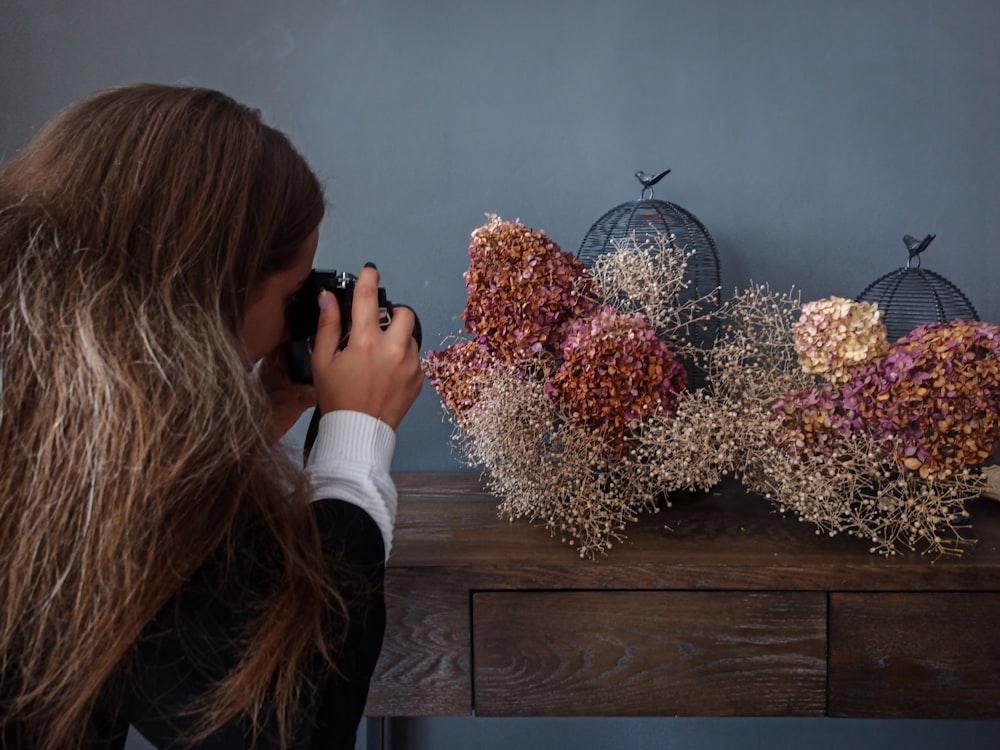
{"x": 723, "y": 539}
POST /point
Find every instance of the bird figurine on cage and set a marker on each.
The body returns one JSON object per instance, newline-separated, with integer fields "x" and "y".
{"x": 648, "y": 180}
{"x": 916, "y": 246}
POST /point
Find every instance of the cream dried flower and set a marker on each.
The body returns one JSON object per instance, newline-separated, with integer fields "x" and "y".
{"x": 835, "y": 336}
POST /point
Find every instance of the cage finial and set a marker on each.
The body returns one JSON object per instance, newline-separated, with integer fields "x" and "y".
{"x": 648, "y": 180}
{"x": 915, "y": 247}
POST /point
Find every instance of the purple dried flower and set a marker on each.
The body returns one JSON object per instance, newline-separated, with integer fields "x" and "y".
{"x": 812, "y": 421}
{"x": 522, "y": 290}
{"x": 936, "y": 394}
{"x": 615, "y": 372}
{"x": 458, "y": 373}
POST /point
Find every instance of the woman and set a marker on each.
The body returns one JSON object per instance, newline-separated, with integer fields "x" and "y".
{"x": 162, "y": 561}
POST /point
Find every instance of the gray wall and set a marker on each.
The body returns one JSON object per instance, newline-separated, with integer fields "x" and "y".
{"x": 807, "y": 135}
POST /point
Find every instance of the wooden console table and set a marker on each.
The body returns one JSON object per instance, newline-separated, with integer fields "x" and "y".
{"x": 715, "y": 607}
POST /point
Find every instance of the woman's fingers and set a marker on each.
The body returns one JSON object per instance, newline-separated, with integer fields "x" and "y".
{"x": 378, "y": 372}
{"x": 365, "y": 313}
{"x": 328, "y": 335}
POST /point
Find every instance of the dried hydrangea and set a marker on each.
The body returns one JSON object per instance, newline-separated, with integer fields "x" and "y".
{"x": 522, "y": 290}
{"x": 835, "y": 336}
{"x": 935, "y": 395}
{"x": 812, "y": 421}
{"x": 553, "y": 384}
{"x": 459, "y": 372}
{"x": 614, "y": 373}
{"x": 756, "y": 385}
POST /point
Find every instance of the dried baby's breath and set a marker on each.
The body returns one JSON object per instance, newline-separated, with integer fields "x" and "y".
{"x": 545, "y": 469}
{"x": 558, "y": 380}
{"x": 789, "y": 437}
{"x": 861, "y": 493}
{"x": 650, "y": 277}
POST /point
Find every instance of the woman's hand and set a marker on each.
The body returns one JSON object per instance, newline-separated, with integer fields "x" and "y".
{"x": 289, "y": 400}
{"x": 378, "y": 372}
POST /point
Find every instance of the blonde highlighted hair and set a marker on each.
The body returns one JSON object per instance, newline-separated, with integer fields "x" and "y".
{"x": 133, "y": 437}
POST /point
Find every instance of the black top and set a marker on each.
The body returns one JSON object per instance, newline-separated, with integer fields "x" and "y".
{"x": 191, "y": 645}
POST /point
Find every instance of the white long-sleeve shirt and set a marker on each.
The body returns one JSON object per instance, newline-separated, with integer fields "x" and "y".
{"x": 350, "y": 460}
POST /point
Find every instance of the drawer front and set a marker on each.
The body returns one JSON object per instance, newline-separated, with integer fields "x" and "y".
{"x": 919, "y": 655}
{"x": 649, "y": 653}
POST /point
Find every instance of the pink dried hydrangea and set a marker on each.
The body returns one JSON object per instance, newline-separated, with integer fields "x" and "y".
{"x": 458, "y": 373}
{"x": 615, "y": 372}
{"x": 936, "y": 394}
{"x": 522, "y": 290}
{"x": 835, "y": 336}
{"x": 812, "y": 421}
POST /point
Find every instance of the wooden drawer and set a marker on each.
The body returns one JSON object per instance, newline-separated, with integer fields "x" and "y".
{"x": 675, "y": 653}
{"x": 921, "y": 655}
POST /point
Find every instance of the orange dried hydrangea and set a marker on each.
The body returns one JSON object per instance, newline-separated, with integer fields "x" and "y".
{"x": 522, "y": 290}
{"x": 615, "y": 372}
{"x": 458, "y": 373}
{"x": 812, "y": 421}
{"x": 935, "y": 395}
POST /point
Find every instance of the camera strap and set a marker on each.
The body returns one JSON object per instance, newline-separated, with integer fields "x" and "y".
{"x": 311, "y": 433}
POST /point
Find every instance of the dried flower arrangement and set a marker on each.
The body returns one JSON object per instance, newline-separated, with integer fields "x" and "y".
{"x": 556, "y": 381}
{"x": 885, "y": 443}
{"x": 570, "y": 394}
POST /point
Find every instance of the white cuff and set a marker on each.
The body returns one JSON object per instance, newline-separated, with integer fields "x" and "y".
{"x": 350, "y": 461}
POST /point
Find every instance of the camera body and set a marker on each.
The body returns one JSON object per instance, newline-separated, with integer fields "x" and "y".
{"x": 303, "y": 317}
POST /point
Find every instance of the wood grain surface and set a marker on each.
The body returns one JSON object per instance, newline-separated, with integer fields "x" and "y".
{"x": 659, "y": 653}
{"x": 715, "y": 606}
{"x": 915, "y": 655}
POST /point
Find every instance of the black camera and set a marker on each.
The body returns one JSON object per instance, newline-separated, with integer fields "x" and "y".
{"x": 303, "y": 317}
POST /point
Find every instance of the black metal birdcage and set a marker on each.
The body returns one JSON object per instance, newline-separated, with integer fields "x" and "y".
{"x": 912, "y": 296}
{"x": 647, "y": 219}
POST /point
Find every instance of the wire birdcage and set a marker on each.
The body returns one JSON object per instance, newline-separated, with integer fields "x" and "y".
{"x": 912, "y": 296}
{"x": 647, "y": 219}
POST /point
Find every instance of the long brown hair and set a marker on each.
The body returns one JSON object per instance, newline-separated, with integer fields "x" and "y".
{"x": 133, "y": 437}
